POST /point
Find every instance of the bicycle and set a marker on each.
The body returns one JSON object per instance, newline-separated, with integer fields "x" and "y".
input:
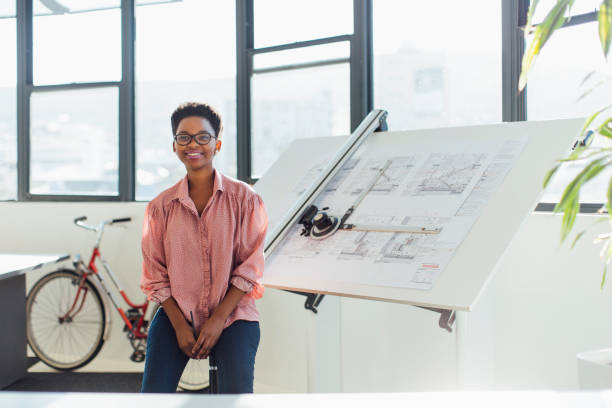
{"x": 68, "y": 316}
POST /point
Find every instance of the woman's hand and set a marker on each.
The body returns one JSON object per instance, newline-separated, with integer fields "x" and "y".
{"x": 186, "y": 341}
{"x": 209, "y": 334}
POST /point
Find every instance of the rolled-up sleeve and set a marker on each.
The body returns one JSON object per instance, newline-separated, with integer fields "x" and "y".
{"x": 154, "y": 281}
{"x": 250, "y": 258}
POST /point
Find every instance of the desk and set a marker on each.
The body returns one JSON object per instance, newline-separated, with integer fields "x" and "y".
{"x": 13, "y": 359}
{"x": 473, "y": 399}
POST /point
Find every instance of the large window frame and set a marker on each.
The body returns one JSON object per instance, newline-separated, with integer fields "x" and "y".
{"x": 25, "y": 88}
{"x": 360, "y": 66}
{"x": 361, "y": 85}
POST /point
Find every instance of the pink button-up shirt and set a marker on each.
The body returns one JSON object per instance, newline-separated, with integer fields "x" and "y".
{"x": 195, "y": 258}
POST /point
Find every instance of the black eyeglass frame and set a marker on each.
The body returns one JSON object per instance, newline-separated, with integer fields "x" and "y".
{"x": 192, "y": 137}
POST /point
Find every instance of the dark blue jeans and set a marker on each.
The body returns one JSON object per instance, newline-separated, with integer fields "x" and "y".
{"x": 234, "y": 353}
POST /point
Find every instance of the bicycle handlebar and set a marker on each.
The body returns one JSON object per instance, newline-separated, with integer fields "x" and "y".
{"x": 79, "y": 222}
{"x": 82, "y": 218}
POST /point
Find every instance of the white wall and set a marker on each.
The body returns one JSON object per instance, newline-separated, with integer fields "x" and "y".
{"x": 542, "y": 307}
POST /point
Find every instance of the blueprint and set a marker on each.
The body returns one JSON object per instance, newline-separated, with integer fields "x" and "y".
{"x": 443, "y": 190}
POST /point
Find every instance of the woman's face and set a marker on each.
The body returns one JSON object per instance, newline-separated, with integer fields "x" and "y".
{"x": 196, "y": 156}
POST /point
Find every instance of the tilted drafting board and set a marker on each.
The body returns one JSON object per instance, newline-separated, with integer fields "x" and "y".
{"x": 475, "y": 184}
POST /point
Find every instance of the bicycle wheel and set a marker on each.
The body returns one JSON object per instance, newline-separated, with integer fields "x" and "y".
{"x": 195, "y": 375}
{"x": 65, "y": 331}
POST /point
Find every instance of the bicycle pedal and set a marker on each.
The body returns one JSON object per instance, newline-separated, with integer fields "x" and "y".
{"x": 137, "y": 356}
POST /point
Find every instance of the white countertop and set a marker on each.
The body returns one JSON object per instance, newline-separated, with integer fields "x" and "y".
{"x": 14, "y": 264}
{"x": 482, "y": 399}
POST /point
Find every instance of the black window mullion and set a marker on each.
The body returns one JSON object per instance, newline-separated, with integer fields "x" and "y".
{"x": 514, "y": 105}
{"x": 127, "y": 145}
{"x": 72, "y": 86}
{"x": 361, "y": 62}
{"x": 301, "y": 44}
{"x": 244, "y": 46}
{"x": 24, "y": 83}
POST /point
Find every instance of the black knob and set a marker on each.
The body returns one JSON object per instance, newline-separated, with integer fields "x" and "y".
{"x": 322, "y": 221}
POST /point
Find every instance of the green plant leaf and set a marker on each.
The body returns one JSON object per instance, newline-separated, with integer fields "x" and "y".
{"x": 591, "y": 89}
{"x": 603, "y": 277}
{"x": 609, "y": 197}
{"x": 530, "y": 12}
{"x": 587, "y": 77}
{"x": 605, "y": 20}
{"x": 578, "y": 236}
{"x": 581, "y": 233}
{"x": 575, "y": 154}
{"x": 570, "y": 203}
{"x": 569, "y": 217}
{"x": 553, "y": 20}
{"x": 605, "y": 130}
{"x": 609, "y": 251}
{"x": 549, "y": 175}
{"x": 597, "y": 152}
{"x": 573, "y": 188}
{"x": 591, "y": 118}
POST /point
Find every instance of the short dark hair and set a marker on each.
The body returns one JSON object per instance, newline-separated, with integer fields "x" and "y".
{"x": 197, "y": 109}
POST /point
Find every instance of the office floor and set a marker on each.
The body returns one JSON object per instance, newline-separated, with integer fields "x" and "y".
{"x": 41, "y": 378}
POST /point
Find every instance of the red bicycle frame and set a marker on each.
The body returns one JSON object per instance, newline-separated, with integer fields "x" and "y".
{"x": 138, "y": 329}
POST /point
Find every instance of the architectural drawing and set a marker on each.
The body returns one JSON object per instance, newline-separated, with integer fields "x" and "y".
{"x": 446, "y": 174}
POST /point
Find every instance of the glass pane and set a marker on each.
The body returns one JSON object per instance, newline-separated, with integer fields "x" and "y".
{"x": 592, "y": 192}
{"x": 8, "y": 113}
{"x": 63, "y": 56}
{"x": 176, "y": 65}
{"x": 429, "y": 71}
{"x": 554, "y": 85}
{"x": 283, "y": 22}
{"x": 302, "y": 55}
{"x": 287, "y": 105}
{"x": 579, "y": 7}
{"x": 554, "y": 90}
{"x": 75, "y": 142}
{"x": 7, "y": 9}
{"x": 42, "y": 7}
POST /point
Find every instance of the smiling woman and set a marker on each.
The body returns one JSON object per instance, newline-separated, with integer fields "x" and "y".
{"x": 203, "y": 262}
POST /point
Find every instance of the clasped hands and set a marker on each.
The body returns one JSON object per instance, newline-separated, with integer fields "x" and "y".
{"x": 209, "y": 334}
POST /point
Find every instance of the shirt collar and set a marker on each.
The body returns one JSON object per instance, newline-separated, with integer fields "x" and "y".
{"x": 182, "y": 193}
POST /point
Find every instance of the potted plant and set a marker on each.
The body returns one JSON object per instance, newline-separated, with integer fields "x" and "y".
{"x": 594, "y": 367}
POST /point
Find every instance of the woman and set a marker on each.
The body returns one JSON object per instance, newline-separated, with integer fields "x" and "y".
{"x": 202, "y": 247}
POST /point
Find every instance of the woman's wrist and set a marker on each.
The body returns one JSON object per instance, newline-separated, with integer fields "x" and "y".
{"x": 228, "y": 304}
{"x": 177, "y": 319}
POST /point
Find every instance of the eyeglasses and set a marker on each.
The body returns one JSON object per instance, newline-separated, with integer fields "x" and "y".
{"x": 184, "y": 139}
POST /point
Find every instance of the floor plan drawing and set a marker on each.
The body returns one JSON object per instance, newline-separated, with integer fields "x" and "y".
{"x": 413, "y": 210}
{"x": 390, "y": 180}
{"x": 446, "y": 174}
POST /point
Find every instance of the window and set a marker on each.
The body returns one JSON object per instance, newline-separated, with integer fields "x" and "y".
{"x": 73, "y": 98}
{"x": 440, "y": 58}
{"x": 554, "y": 92}
{"x": 297, "y": 103}
{"x": 82, "y": 45}
{"x": 284, "y": 22}
{"x": 192, "y": 59}
{"x": 8, "y": 101}
{"x": 300, "y": 78}
{"x": 74, "y": 142}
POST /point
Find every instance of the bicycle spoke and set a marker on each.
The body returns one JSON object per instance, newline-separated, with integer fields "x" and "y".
{"x": 65, "y": 340}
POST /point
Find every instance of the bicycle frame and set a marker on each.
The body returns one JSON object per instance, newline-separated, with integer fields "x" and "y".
{"x": 137, "y": 330}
